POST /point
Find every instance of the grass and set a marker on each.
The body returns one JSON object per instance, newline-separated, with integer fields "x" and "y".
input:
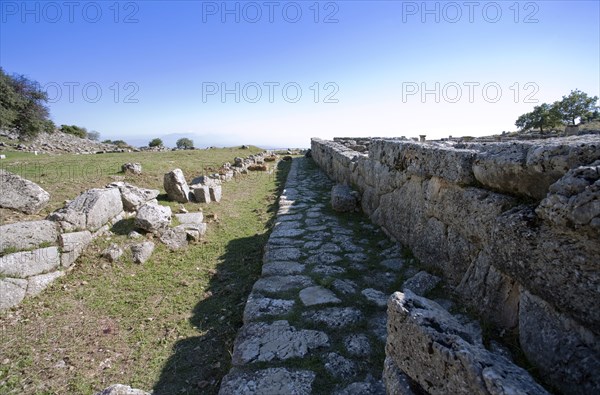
{"x": 166, "y": 325}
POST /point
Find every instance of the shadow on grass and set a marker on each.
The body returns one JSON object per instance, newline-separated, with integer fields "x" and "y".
{"x": 198, "y": 364}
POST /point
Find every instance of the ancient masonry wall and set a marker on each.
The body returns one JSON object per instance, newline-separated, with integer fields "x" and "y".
{"x": 514, "y": 228}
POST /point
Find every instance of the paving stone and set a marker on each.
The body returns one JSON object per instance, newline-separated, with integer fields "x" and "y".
{"x": 258, "y": 307}
{"x": 358, "y": 345}
{"x": 263, "y": 342}
{"x": 393, "y": 264}
{"x": 284, "y": 241}
{"x": 282, "y": 254}
{"x": 268, "y": 381}
{"x": 365, "y": 388}
{"x": 338, "y": 231}
{"x": 378, "y": 326}
{"x": 317, "y": 295}
{"x": 317, "y": 236}
{"x": 312, "y": 245}
{"x": 339, "y": 366}
{"x": 357, "y": 257}
{"x": 329, "y": 247}
{"x": 282, "y": 268}
{"x": 380, "y": 279}
{"x": 313, "y": 214}
{"x": 375, "y": 296}
{"x": 276, "y": 284}
{"x": 345, "y": 287}
{"x": 317, "y": 228}
{"x": 313, "y": 222}
{"x": 285, "y": 232}
{"x": 336, "y": 317}
{"x": 323, "y": 258}
{"x": 328, "y": 270}
{"x": 290, "y": 217}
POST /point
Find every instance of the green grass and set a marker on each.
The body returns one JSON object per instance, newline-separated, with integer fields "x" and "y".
{"x": 166, "y": 325}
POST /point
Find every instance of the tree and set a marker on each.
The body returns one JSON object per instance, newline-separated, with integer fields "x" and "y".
{"x": 578, "y": 105}
{"x": 22, "y": 106}
{"x": 93, "y": 135}
{"x": 155, "y": 143}
{"x": 542, "y": 116}
{"x": 185, "y": 143}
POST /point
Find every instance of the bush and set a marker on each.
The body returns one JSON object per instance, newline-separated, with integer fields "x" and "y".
{"x": 74, "y": 130}
{"x": 185, "y": 143}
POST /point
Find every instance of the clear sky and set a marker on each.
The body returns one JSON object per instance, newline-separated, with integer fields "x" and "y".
{"x": 276, "y": 73}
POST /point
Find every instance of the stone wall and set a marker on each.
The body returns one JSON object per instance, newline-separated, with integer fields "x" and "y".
{"x": 514, "y": 227}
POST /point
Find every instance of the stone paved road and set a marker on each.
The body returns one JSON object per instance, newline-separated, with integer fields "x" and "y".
{"x": 315, "y": 321}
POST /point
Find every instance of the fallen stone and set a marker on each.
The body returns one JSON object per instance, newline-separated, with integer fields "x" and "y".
{"x": 396, "y": 382}
{"x": 12, "y": 292}
{"x": 120, "y": 389}
{"x": 215, "y": 193}
{"x": 176, "y": 187}
{"x": 30, "y": 263}
{"x": 421, "y": 283}
{"x": 263, "y": 342}
{"x": 26, "y": 235}
{"x": 201, "y": 193}
{"x": 435, "y": 350}
{"x": 153, "y": 217}
{"x": 37, "y": 284}
{"x": 21, "y": 194}
{"x": 317, "y": 295}
{"x": 72, "y": 245}
{"x": 190, "y": 218}
{"x": 112, "y": 253}
{"x": 344, "y": 199}
{"x": 90, "y": 210}
{"x": 134, "y": 197}
{"x": 194, "y": 232}
{"x": 268, "y": 381}
{"x": 174, "y": 238}
{"x": 141, "y": 252}
{"x": 133, "y": 168}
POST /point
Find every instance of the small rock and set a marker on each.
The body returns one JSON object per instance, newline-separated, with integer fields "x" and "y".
{"x": 112, "y": 253}
{"x": 142, "y": 251}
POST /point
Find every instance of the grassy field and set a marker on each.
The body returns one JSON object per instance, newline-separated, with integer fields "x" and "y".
{"x": 167, "y": 325}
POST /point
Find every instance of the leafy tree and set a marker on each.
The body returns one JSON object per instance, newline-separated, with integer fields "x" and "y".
{"x": 155, "y": 143}
{"x": 542, "y": 116}
{"x": 74, "y": 130}
{"x": 22, "y": 106}
{"x": 185, "y": 143}
{"x": 93, "y": 135}
{"x": 578, "y": 105}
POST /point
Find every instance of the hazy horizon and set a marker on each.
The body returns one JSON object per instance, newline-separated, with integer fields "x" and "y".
{"x": 278, "y": 73}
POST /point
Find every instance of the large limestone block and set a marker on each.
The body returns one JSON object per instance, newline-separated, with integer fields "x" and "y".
{"x": 566, "y": 354}
{"x": 153, "y": 217}
{"x": 30, "y": 263}
{"x": 190, "y": 218}
{"x": 176, "y": 187}
{"x": 90, "y": 210}
{"x": 72, "y": 245}
{"x": 133, "y": 197}
{"x": 441, "y": 355}
{"x": 344, "y": 199}
{"x": 37, "y": 284}
{"x": 559, "y": 265}
{"x": 574, "y": 200}
{"x": 12, "y": 292}
{"x": 426, "y": 160}
{"x": 528, "y": 168}
{"x": 26, "y": 235}
{"x": 21, "y": 194}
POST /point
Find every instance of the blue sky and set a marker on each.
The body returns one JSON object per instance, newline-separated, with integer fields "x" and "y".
{"x": 136, "y": 70}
